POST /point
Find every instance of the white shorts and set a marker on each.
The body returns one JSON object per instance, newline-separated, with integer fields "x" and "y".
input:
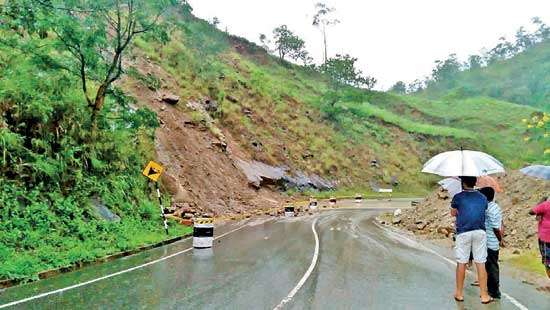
{"x": 474, "y": 242}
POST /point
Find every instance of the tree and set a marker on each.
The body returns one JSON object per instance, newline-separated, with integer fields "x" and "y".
{"x": 475, "y": 62}
{"x": 503, "y": 50}
{"x": 399, "y": 87}
{"x": 322, "y": 19}
{"x": 416, "y": 86}
{"x": 446, "y": 70}
{"x": 265, "y": 42}
{"x": 524, "y": 40}
{"x": 288, "y": 44}
{"x": 90, "y": 37}
{"x": 215, "y": 21}
{"x": 543, "y": 31}
{"x": 341, "y": 71}
{"x": 538, "y": 130}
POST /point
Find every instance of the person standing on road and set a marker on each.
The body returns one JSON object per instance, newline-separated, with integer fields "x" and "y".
{"x": 494, "y": 230}
{"x": 542, "y": 211}
{"x": 469, "y": 207}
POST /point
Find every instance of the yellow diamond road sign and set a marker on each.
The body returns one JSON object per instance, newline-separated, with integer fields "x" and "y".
{"x": 153, "y": 171}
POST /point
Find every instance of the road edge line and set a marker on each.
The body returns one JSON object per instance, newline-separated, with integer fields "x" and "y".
{"x": 24, "y": 300}
{"x": 306, "y": 275}
{"x": 511, "y": 299}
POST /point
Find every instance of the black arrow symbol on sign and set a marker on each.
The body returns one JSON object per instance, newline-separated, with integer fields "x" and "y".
{"x": 152, "y": 171}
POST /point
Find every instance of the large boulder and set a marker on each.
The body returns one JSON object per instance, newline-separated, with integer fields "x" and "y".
{"x": 302, "y": 181}
{"x": 170, "y": 99}
{"x": 260, "y": 174}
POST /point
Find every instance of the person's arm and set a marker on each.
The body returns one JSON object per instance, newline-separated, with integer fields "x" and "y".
{"x": 454, "y": 211}
{"x": 454, "y": 206}
{"x": 498, "y": 234}
{"x": 496, "y": 224}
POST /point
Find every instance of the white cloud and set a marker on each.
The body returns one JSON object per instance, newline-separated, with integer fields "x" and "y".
{"x": 393, "y": 39}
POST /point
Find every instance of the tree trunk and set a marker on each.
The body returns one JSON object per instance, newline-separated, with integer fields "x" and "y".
{"x": 98, "y": 105}
{"x": 325, "y": 44}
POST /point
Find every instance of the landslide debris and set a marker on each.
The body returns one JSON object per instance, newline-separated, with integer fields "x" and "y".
{"x": 431, "y": 218}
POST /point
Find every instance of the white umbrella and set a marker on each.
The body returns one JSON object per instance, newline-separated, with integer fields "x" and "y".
{"x": 452, "y": 185}
{"x": 537, "y": 171}
{"x": 463, "y": 163}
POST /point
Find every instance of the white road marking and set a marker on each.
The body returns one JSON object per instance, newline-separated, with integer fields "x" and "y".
{"x": 511, "y": 299}
{"x": 514, "y": 301}
{"x": 14, "y": 303}
{"x": 303, "y": 280}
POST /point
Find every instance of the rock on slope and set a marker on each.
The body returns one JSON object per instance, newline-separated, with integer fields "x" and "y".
{"x": 432, "y": 217}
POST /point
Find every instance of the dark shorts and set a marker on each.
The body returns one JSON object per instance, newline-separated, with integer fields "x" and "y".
{"x": 544, "y": 248}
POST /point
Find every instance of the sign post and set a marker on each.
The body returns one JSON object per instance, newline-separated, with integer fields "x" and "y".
{"x": 153, "y": 171}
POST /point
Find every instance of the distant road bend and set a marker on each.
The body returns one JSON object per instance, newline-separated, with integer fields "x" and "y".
{"x": 339, "y": 259}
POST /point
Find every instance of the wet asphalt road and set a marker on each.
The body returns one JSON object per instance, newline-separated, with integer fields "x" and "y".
{"x": 360, "y": 266}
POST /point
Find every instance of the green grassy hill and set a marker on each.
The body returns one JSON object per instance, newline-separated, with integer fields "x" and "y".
{"x": 522, "y": 79}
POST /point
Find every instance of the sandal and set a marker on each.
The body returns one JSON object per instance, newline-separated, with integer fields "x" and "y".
{"x": 458, "y": 300}
{"x": 488, "y": 301}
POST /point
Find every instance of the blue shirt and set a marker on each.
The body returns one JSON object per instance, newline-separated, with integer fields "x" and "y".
{"x": 471, "y": 206}
{"x": 493, "y": 219}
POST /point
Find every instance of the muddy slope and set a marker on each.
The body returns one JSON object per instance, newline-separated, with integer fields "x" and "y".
{"x": 200, "y": 174}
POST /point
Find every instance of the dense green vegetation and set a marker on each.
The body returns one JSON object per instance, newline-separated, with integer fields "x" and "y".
{"x": 522, "y": 79}
{"x": 515, "y": 71}
{"x": 60, "y": 155}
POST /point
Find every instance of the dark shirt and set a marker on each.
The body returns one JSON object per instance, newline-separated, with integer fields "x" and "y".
{"x": 471, "y": 206}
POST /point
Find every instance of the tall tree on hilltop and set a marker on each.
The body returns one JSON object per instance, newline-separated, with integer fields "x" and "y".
{"x": 89, "y": 38}
{"x": 322, "y": 19}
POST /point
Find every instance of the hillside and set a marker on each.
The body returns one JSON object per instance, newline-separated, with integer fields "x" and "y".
{"x": 211, "y": 107}
{"x": 522, "y": 79}
{"x": 275, "y": 111}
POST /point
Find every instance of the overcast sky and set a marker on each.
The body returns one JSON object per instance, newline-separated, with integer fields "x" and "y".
{"x": 393, "y": 39}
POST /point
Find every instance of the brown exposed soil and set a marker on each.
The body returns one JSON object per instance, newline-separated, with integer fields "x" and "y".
{"x": 200, "y": 174}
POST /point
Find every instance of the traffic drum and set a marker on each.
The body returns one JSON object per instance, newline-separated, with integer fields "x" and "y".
{"x": 289, "y": 211}
{"x": 203, "y": 233}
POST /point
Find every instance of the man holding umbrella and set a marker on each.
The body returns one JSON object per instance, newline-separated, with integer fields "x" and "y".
{"x": 469, "y": 207}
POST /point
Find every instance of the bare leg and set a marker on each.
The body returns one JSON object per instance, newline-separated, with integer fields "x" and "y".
{"x": 482, "y": 278}
{"x": 460, "y": 275}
